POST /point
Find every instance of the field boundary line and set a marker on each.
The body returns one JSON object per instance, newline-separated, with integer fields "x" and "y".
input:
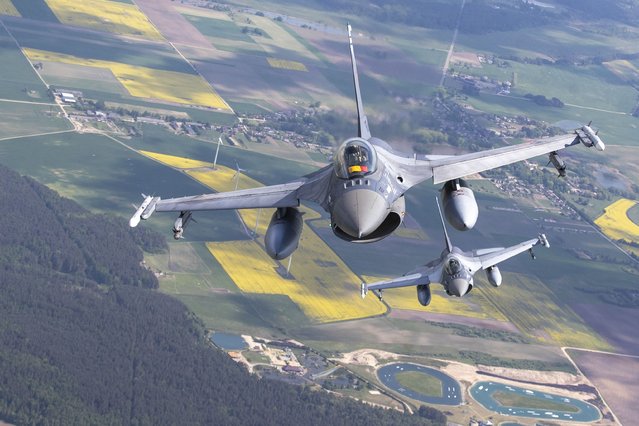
{"x": 452, "y": 44}
{"x": 28, "y": 102}
{"x": 564, "y": 349}
{"x": 38, "y": 134}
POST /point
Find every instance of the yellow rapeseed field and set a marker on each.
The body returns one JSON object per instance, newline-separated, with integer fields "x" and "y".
{"x": 111, "y": 16}
{"x": 287, "y": 65}
{"x": 7, "y": 8}
{"x": 616, "y": 224}
{"x": 324, "y": 287}
{"x": 173, "y": 161}
{"x": 146, "y": 82}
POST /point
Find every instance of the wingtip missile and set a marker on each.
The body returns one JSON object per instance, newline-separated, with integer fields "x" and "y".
{"x": 543, "y": 240}
{"x": 145, "y": 210}
{"x": 364, "y": 290}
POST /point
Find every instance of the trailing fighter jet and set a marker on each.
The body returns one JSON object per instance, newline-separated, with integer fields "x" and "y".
{"x": 363, "y": 190}
{"x": 455, "y": 268}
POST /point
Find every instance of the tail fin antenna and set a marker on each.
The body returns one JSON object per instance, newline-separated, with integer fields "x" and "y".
{"x": 362, "y": 121}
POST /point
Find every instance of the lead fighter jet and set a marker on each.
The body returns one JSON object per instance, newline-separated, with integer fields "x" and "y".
{"x": 455, "y": 268}
{"x": 363, "y": 190}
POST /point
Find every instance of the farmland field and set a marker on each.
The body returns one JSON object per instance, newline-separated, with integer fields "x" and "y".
{"x": 104, "y": 176}
{"x": 7, "y": 8}
{"x": 287, "y": 65}
{"x": 18, "y": 80}
{"x": 84, "y": 43}
{"x": 324, "y": 290}
{"x": 539, "y": 314}
{"x": 616, "y": 224}
{"x": 24, "y": 119}
{"x": 146, "y": 82}
{"x": 35, "y": 9}
{"x": 115, "y": 17}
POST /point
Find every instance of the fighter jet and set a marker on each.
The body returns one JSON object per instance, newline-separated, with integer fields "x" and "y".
{"x": 455, "y": 268}
{"x": 363, "y": 190}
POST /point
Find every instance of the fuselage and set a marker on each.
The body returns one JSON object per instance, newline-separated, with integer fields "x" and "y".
{"x": 363, "y": 202}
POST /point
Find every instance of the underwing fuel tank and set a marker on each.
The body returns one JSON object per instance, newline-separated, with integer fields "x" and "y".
{"x": 283, "y": 233}
{"x": 460, "y": 207}
{"x": 494, "y": 276}
{"x": 423, "y": 294}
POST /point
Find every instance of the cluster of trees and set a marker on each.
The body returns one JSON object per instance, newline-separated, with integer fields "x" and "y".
{"x": 84, "y": 340}
{"x": 544, "y": 101}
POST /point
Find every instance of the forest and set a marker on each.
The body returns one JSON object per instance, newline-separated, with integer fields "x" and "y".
{"x": 85, "y": 338}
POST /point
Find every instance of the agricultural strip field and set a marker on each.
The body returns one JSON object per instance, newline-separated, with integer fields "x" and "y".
{"x": 287, "y": 65}
{"x": 34, "y": 9}
{"x": 18, "y": 80}
{"x": 105, "y": 15}
{"x": 85, "y": 43}
{"x": 616, "y": 224}
{"x": 539, "y": 314}
{"x": 324, "y": 287}
{"x": 144, "y": 82}
{"x": 20, "y": 119}
{"x": 7, "y": 8}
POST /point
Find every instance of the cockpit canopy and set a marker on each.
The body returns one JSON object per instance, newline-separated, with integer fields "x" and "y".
{"x": 453, "y": 267}
{"x": 355, "y": 158}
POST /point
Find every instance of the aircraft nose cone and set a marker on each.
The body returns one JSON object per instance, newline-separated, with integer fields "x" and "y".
{"x": 359, "y": 212}
{"x": 458, "y": 287}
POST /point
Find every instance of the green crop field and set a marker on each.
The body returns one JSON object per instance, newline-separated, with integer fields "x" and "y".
{"x": 420, "y": 382}
{"x": 102, "y": 46}
{"x": 218, "y": 28}
{"x": 18, "y": 80}
{"x": 20, "y": 119}
{"x": 104, "y": 176}
{"x": 592, "y": 86}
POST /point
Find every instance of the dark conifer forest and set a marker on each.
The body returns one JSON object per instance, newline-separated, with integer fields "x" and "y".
{"x": 86, "y": 340}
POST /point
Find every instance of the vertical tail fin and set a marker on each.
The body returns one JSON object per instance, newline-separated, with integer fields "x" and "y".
{"x": 362, "y": 121}
{"x": 449, "y": 245}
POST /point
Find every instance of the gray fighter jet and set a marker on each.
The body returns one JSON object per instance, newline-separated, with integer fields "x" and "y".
{"x": 363, "y": 190}
{"x": 455, "y": 268}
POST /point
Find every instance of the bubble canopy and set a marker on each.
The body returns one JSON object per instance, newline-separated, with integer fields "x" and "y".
{"x": 355, "y": 158}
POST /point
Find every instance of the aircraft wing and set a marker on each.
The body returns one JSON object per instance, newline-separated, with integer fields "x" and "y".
{"x": 444, "y": 168}
{"x": 425, "y": 276}
{"x": 312, "y": 187}
{"x": 491, "y": 258}
{"x": 268, "y": 196}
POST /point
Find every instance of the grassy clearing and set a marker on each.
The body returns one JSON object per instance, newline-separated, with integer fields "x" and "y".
{"x": 539, "y": 314}
{"x": 286, "y": 65}
{"x": 420, "y": 382}
{"x": 146, "y": 82}
{"x": 511, "y": 399}
{"x": 35, "y": 9}
{"x": 114, "y": 17}
{"x": 28, "y": 119}
{"x": 616, "y": 224}
{"x": 7, "y": 8}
